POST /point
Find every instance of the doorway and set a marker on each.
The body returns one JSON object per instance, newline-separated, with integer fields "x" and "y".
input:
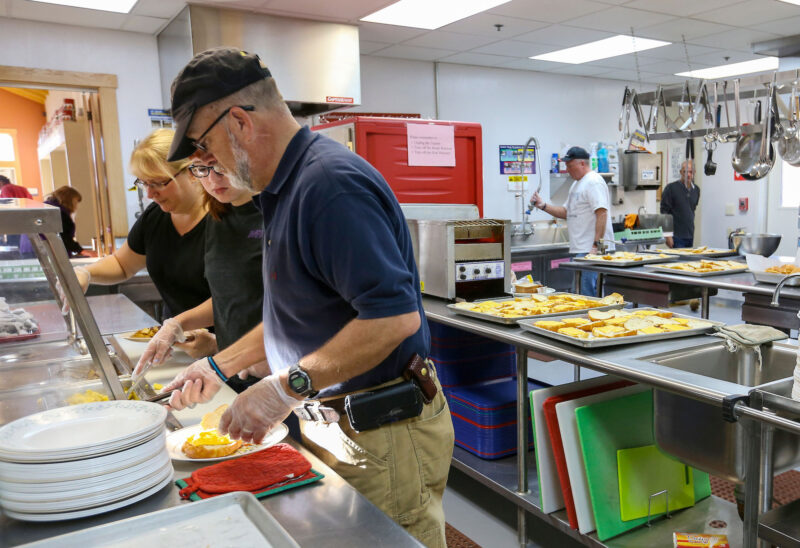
{"x": 78, "y": 147}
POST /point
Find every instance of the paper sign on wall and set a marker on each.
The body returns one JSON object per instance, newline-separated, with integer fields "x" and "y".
{"x": 431, "y": 145}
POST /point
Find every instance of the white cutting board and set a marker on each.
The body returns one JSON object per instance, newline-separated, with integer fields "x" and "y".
{"x": 572, "y": 450}
{"x": 550, "y": 496}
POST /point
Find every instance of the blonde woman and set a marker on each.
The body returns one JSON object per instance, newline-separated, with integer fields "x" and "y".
{"x": 169, "y": 237}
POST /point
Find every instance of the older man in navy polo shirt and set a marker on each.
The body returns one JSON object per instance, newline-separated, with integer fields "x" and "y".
{"x": 342, "y": 304}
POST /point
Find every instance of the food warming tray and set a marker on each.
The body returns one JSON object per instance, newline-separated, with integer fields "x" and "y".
{"x": 130, "y": 532}
{"x": 513, "y": 321}
{"x": 527, "y": 325}
{"x": 698, "y": 274}
{"x": 774, "y": 278}
{"x": 623, "y": 264}
{"x": 705, "y": 254}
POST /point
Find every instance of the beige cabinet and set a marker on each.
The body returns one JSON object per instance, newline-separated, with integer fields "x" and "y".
{"x": 65, "y": 159}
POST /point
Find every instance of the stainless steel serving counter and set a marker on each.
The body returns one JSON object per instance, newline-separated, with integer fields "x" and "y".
{"x": 327, "y": 513}
{"x": 626, "y": 361}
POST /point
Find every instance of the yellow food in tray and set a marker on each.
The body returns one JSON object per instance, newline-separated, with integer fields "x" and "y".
{"x": 696, "y": 250}
{"x": 623, "y": 256}
{"x": 621, "y": 323}
{"x": 538, "y": 304}
{"x": 146, "y": 333}
{"x": 706, "y": 265}
{"x": 86, "y": 397}
{"x": 783, "y": 269}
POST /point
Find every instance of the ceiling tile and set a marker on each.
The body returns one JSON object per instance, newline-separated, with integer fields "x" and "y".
{"x": 620, "y": 20}
{"x": 719, "y": 58}
{"x": 669, "y": 67}
{"x": 65, "y": 15}
{"x": 375, "y": 32}
{"x": 625, "y": 62}
{"x": 739, "y": 39}
{"x": 414, "y": 53}
{"x": 677, "y": 52}
{"x": 552, "y": 11}
{"x": 785, "y": 27}
{"x": 483, "y": 24}
{"x": 631, "y": 76}
{"x": 532, "y": 64}
{"x": 366, "y": 47}
{"x": 752, "y": 12}
{"x": 514, "y": 48}
{"x": 140, "y": 23}
{"x": 158, "y": 8}
{"x": 563, "y": 36}
{"x": 340, "y": 10}
{"x": 581, "y": 70}
{"x": 480, "y": 59}
{"x": 673, "y": 31}
{"x": 449, "y": 40}
{"x": 681, "y": 8}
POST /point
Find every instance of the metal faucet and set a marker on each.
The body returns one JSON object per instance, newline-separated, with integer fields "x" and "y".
{"x": 777, "y": 292}
{"x": 524, "y": 229}
{"x": 639, "y": 211}
{"x": 601, "y": 248}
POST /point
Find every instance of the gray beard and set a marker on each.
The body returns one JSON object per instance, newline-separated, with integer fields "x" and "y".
{"x": 240, "y": 177}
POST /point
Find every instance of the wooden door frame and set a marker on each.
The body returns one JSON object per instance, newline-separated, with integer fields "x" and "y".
{"x": 106, "y": 87}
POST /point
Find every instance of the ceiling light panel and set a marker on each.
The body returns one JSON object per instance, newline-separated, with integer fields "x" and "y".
{"x": 733, "y": 69}
{"x": 424, "y": 14}
{"x": 117, "y": 6}
{"x": 795, "y": 2}
{"x": 601, "y": 49}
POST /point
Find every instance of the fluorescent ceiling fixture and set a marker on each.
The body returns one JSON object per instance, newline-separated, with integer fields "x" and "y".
{"x": 427, "y": 14}
{"x": 723, "y": 71}
{"x": 795, "y": 2}
{"x": 601, "y": 49}
{"x": 118, "y": 6}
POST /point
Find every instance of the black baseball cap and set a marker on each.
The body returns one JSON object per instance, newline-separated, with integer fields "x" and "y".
{"x": 209, "y": 76}
{"x": 575, "y": 153}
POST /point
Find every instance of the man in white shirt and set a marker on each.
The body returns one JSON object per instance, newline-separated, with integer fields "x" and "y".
{"x": 586, "y": 212}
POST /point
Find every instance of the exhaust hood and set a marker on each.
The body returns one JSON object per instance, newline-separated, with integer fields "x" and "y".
{"x": 315, "y": 64}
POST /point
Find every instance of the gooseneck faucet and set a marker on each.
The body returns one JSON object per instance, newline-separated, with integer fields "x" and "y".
{"x": 524, "y": 230}
{"x": 777, "y": 292}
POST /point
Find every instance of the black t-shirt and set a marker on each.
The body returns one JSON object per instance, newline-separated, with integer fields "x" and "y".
{"x": 233, "y": 270}
{"x": 680, "y": 202}
{"x": 174, "y": 262}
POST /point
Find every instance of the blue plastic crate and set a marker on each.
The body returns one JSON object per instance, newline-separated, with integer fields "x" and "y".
{"x": 462, "y": 358}
{"x": 485, "y": 417}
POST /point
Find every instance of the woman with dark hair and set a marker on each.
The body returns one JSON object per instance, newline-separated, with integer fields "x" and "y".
{"x": 67, "y": 199}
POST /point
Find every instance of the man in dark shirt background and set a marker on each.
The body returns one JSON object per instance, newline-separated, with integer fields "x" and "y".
{"x": 680, "y": 199}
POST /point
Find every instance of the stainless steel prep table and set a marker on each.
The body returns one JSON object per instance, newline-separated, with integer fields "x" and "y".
{"x": 517, "y": 481}
{"x": 757, "y": 295}
{"x": 327, "y": 513}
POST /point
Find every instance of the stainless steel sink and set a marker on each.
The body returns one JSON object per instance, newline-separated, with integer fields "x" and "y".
{"x": 695, "y": 432}
{"x": 655, "y": 220}
{"x": 543, "y": 236}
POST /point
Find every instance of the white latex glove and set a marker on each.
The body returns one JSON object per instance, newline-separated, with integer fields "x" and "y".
{"x": 84, "y": 279}
{"x": 257, "y": 410}
{"x": 536, "y": 200}
{"x": 199, "y": 343}
{"x": 260, "y": 370}
{"x": 160, "y": 346}
{"x": 198, "y": 383}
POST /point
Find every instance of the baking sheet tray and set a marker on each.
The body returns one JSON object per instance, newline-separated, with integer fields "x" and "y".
{"x": 774, "y": 278}
{"x": 623, "y": 264}
{"x": 709, "y": 254}
{"x": 527, "y": 325}
{"x": 113, "y": 534}
{"x": 513, "y": 321}
{"x": 698, "y": 274}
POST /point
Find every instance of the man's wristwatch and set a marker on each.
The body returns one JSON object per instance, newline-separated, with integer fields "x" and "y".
{"x": 300, "y": 382}
{"x": 543, "y": 206}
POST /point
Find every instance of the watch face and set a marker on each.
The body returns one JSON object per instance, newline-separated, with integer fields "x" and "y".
{"x": 297, "y": 382}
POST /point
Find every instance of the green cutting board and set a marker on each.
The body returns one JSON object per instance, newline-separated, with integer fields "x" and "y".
{"x": 644, "y": 471}
{"x": 603, "y": 429}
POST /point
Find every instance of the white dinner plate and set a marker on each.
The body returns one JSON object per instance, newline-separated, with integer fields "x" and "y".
{"x": 31, "y": 473}
{"x": 80, "y": 430}
{"x": 176, "y": 439}
{"x": 90, "y": 501}
{"x": 58, "y": 516}
{"x": 44, "y": 492}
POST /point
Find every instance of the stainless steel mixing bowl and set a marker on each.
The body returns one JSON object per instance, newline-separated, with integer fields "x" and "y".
{"x": 760, "y": 244}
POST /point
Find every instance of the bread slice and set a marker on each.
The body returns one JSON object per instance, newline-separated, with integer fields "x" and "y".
{"x": 652, "y": 330}
{"x": 600, "y": 315}
{"x": 550, "y": 325}
{"x": 574, "y": 332}
{"x": 211, "y": 420}
{"x": 210, "y": 451}
{"x": 575, "y": 322}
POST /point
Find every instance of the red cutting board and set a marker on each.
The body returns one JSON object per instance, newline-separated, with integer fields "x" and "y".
{"x": 549, "y": 408}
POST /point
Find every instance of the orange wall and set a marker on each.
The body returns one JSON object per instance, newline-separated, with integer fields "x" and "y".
{"x": 27, "y": 117}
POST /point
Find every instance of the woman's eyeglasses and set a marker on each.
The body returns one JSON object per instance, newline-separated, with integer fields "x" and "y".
{"x": 205, "y": 171}
{"x": 138, "y": 183}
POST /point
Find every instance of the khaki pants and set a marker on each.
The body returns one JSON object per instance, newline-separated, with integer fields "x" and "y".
{"x": 400, "y": 467}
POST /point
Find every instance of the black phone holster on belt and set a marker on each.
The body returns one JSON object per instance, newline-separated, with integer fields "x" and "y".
{"x": 404, "y": 400}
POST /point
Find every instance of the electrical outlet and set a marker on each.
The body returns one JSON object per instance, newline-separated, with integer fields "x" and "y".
{"x": 730, "y": 209}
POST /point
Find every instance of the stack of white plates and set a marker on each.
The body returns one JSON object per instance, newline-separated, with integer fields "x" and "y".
{"x": 82, "y": 460}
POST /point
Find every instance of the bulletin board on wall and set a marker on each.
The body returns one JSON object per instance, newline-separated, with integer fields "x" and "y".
{"x": 676, "y": 154}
